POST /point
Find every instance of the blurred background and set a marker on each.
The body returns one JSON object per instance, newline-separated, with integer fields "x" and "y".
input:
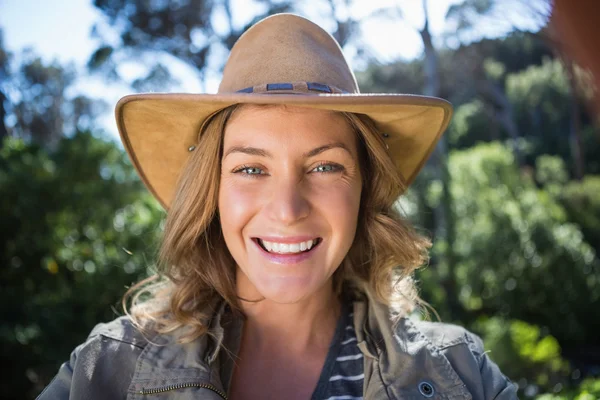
{"x": 511, "y": 196}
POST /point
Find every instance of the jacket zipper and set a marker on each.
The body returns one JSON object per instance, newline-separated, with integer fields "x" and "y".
{"x": 183, "y": 386}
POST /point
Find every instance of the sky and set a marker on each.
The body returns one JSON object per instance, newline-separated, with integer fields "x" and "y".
{"x": 61, "y": 30}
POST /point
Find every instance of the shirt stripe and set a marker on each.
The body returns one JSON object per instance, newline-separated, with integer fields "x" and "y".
{"x": 347, "y": 378}
{"x": 352, "y": 339}
{"x": 346, "y": 358}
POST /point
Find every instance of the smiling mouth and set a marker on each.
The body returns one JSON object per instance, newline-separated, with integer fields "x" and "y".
{"x": 288, "y": 248}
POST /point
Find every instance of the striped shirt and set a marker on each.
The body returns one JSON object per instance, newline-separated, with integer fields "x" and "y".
{"x": 343, "y": 373}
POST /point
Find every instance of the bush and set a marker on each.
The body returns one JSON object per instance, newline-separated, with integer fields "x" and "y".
{"x": 76, "y": 227}
{"x": 523, "y": 353}
{"x": 516, "y": 253}
{"x": 581, "y": 200}
{"x": 589, "y": 389}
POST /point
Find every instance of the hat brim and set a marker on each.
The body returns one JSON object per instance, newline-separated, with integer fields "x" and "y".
{"x": 158, "y": 129}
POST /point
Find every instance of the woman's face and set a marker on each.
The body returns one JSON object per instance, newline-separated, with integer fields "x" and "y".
{"x": 289, "y": 198}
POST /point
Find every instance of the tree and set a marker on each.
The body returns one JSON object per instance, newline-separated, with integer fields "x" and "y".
{"x": 4, "y": 64}
{"x": 66, "y": 198}
{"x": 543, "y": 101}
{"x": 77, "y": 227}
{"x": 154, "y": 34}
{"x": 35, "y": 104}
{"x": 581, "y": 200}
{"x": 517, "y": 254}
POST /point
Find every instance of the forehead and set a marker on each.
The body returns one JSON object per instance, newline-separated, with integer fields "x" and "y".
{"x": 286, "y": 126}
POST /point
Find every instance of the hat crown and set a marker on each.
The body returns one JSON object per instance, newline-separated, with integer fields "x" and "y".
{"x": 286, "y": 48}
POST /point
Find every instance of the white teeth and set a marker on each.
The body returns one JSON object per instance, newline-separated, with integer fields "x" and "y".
{"x": 287, "y": 248}
{"x": 268, "y": 245}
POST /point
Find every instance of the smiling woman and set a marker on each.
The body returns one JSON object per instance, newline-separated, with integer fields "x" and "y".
{"x": 285, "y": 269}
{"x": 279, "y": 196}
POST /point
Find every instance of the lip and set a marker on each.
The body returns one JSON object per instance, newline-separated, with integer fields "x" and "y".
{"x": 287, "y": 258}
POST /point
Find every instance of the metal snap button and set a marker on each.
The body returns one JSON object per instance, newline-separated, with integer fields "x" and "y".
{"x": 426, "y": 389}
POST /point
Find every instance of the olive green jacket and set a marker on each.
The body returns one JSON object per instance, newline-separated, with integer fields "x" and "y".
{"x": 409, "y": 360}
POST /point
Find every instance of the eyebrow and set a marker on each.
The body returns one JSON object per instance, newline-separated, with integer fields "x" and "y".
{"x": 321, "y": 149}
{"x": 254, "y": 151}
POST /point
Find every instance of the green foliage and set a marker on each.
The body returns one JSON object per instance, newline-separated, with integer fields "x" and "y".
{"x": 514, "y": 53}
{"x": 551, "y": 170}
{"x": 517, "y": 51}
{"x": 494, "y": 69}
{"x": 517, "y": 254}
{"x": 541, "y": 98}
{"x": 470, "y": 120}
{"x": 77, "y": 227}
{"x": 520, "y": 349}
{"x": 589, "y": 389}
{"x": 542, "y": 86}
{"x": 520, "y": 256}
{"x": 581, "y": 200}
{"x": 590, "y": 138}
{"x": 34, "y": 97}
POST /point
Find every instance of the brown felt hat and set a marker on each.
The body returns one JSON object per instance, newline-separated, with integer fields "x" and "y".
{"x": 296, "y": 60}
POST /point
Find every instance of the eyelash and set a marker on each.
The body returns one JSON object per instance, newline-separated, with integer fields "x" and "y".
{"x": 241, "y": 169}
{"x": 334, "y": 168}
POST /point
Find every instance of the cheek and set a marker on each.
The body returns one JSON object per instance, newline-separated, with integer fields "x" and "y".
{"x": 236, "y": 206}
{"x": 339, "y": 203}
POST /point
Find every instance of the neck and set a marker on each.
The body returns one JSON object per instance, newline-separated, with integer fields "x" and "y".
{"x": 308, "y": 323}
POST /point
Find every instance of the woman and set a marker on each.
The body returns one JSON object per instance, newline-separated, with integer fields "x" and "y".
{"x": 286, "y": 270}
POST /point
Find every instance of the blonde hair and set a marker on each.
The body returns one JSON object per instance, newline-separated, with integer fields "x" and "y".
{"x": 196, "y": 270}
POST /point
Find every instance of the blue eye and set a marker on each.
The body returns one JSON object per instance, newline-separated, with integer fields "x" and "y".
{"x": 327, "y": 168}
{"x": 250, "y": 171}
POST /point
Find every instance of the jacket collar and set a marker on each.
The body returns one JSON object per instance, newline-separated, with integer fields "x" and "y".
{"x": 404, "y": 357}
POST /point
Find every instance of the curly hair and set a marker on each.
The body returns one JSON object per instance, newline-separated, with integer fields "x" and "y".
{"x": 196, "y": 268}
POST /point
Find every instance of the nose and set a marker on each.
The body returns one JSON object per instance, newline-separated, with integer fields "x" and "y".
{"x": 288, "y": 202}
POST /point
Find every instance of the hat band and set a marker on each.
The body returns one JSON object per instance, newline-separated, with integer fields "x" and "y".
{"x": 293, "y": 87}
{"x": 301, "y": 87}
